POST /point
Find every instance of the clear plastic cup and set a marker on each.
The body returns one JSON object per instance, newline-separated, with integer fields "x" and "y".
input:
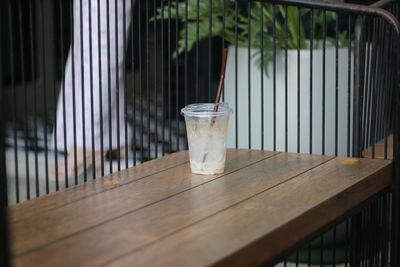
{"x": 206, "y": 133}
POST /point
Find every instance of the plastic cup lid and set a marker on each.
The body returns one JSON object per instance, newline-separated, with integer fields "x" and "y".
{"x": 206, "y": 110}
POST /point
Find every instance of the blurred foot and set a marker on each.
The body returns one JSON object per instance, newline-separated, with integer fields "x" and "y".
{"x": 79, "y": 168}
{"x": 80, "y": 162}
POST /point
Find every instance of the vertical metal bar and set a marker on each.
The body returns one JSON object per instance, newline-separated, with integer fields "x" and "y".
{"x": 54, "y": 120}
{"x": 361, "y": 246}
{"x": 336, "y": 83}
{"x": 73, "y": 88}
{"x": 386, "y": 98}
{"x": 379, "y": 83}
{"x": 186, "y": 54}
{"x": 346, "y": 256}
{"x": 262, "y": 76}
{"x": 390, "y": 234}
{"x": 63, "y": 96}
{"x": 387, "y": 234}
{"x": 321, "y": 245}
{"x": 100, "y": 88}
{"x": 386, "y": 237}
{"x": 169, "y": 79}
{"x": 41, "y": 13}
{"x": 375, "y": 89}
{"x": 353, "y": 240}
{"x": 274, "y": 77}
{"x": 21, "y": 45}
{"x": 125, "y": 84}
{"x": 395, "y": 205}
{"x": 83, "y": 91}
{"x": 364, "y": 82}
{"x": 309, "y": 255}
{"x": 298, "y": 79}
{"x": 14, "y": 94}
{"x": 4, "y": 244}
{"x": 91, "y": 90}
{"x": 186, "y": 50}
{"x": 223, "y": 41}
{"x": 378, "y": 235}
{"x": 372, "y": 88}
{"x": 382, "y": 82}
{"x": 360, "y": 243}
{"x": 117, "y": 85}
{"x": 236, "y": 77}
{"x": 148, "y": 80}
{"x": 248, "y": 68}
{"x": 348, "y": 86}
{"x": 33, "y": 76}
{"x": 368, "y": 92}
{"x": 388, "y": 86}
{"x": 155, "y": 81}
{"x": 197, "y": 48}
{"x": 209, "y": 48}
{"x": 368, "y": 245}
{"x": 162, "y": 78}
{"x": 297, "y": 258}
{"x": 359, "y": 55}
{"x": 177, "y": 74}
{"x": 364, "y": 245}
{"x": 355, "y": 232}
{"x": 109, "y": 87}
{"x": 393, "y": 212}
{"x": 369, "y": 224}
{"x": 323, "y": 79}
{"x": 390, "y": 219}
{"x": 372, "y": 238}
{"x": 286, "y": 78}
{"x": 140, "y": 77}
{"x": 311, "y": 75}
{"x": 133, "y": 82}
{"x": 382, "y": 227}
{"x": 334, "y": 247}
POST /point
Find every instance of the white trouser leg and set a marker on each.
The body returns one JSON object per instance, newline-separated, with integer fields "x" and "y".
{"x": 106, "y": 80}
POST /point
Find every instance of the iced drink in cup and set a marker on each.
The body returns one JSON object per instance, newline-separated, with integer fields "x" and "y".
{"x": 206, "y": 133}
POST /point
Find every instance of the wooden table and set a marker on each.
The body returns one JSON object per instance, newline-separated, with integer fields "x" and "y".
{"x": 158, "y": 213}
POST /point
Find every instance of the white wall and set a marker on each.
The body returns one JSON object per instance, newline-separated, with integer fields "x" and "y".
{"x": 255, "y": 78}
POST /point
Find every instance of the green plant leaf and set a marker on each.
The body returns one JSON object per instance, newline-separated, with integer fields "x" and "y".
{"x": 203, "y": 32}
{"x": 195, "y": 18}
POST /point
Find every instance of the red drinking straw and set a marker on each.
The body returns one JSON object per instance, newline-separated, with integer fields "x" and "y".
{"x": 221, "y": 85}
{"x": 221, "y": 80}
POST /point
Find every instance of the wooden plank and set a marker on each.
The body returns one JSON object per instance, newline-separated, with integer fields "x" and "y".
{"x": 260, "y": 228}
{"x": 99, "y": 208}
{"x": 61, "y": 198}
{"x": 380, "y": 149}
{"x": 117, "y": 237}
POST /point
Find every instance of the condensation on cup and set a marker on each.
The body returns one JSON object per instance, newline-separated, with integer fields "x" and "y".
{"x": 206, "y": 133}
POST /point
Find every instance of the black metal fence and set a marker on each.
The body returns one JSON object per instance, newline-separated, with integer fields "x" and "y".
{"x": 92, "y": 87}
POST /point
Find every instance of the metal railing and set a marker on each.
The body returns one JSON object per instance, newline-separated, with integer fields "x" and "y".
{"x": 302, "y": 76}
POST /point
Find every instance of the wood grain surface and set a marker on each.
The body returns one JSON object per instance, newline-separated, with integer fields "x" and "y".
{"x": 257, "y": 229}
{"x": 30, "y": 208}
{"x": 111, "y": 203}
{"x": 171, "y": 216}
